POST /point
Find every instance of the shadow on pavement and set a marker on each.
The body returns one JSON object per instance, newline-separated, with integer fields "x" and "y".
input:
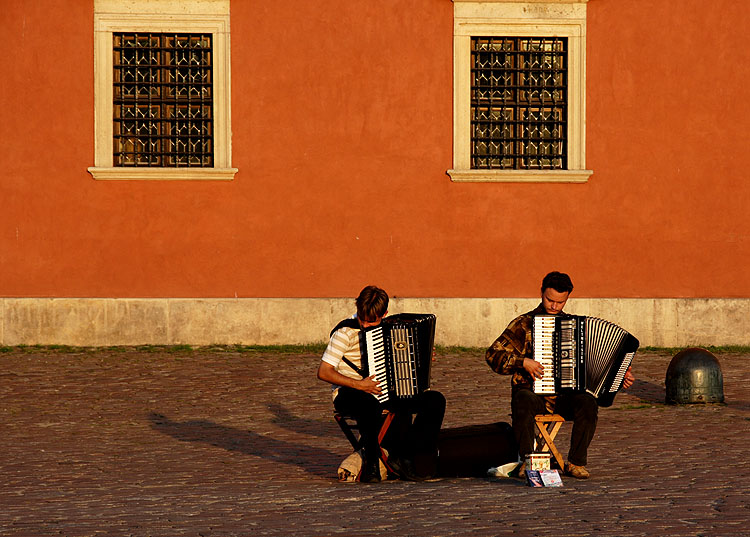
{"x": 287, "y": 420}
{"x": 648, "y": 392}
{"x": 311, "y": 459}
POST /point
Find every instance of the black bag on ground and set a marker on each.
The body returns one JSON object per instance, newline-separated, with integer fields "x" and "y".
{"x": 471, "y": 450}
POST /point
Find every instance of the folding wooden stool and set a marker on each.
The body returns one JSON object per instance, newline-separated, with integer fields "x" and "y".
{"x": 548, "y": 426}
{"x": 348, "y": 425}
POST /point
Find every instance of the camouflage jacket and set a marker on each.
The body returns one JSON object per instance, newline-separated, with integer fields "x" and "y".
{"x": 505, "y": 356}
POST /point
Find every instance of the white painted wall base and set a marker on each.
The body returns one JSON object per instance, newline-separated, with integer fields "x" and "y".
{"x": 470, "y": 322}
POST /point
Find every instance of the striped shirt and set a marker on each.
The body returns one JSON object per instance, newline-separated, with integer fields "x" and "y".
{"x": 344, "y": 343}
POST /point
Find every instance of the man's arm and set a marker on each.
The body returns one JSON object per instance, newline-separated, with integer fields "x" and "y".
{"x": 341, "y": 342}
{"x": 510, "y": 353}
{"x": 328, "y": 373}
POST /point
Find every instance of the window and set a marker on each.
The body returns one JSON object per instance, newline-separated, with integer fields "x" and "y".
{"x": 162, "y": 92}
{"x": 519, "y": 91}
{"x": 162, "y": 100}
{"x": 518, "y": 108}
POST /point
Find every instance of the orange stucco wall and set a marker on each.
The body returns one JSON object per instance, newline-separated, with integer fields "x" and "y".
{"x": 342, "y": 133}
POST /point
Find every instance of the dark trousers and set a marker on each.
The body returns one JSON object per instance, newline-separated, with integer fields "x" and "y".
{"x": 413, "y": 434}
{"x": 580, "y": 408}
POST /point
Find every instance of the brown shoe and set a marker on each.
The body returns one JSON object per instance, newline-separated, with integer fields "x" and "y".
{"x": 579, "y": 472}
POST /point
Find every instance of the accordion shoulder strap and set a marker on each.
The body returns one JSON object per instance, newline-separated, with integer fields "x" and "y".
{"x": 348, "y": 362}
{"x": 346, "y": 323}
{"x": 349, "y": 323}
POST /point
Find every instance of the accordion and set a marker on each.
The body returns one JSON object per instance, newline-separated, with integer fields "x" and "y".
{"x": 399, "y": 353}
{"x": 581, "y": 354}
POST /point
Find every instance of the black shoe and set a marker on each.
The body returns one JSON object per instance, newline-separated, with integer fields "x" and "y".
{"x": 370, "y": 472}
{"x": 405, "y": 469}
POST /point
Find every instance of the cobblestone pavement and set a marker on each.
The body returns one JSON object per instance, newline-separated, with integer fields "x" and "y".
{"x": 215, "y": 443}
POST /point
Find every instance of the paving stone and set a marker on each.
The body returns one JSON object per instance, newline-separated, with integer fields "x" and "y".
{"x": 136, "y": 443}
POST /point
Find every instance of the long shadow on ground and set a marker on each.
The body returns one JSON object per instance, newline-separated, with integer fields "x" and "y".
{"x": 311, "y": 459}
{"x": 287, "y": 420}
{"x": 647, "y": 392}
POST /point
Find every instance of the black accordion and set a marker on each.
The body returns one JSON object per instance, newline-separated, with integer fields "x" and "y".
{"x": 581, "y": 354}
{"x": 399, "y": 353}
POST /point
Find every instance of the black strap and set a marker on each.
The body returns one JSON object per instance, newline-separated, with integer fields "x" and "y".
{"x": 346, "y": 323}
{"x": 349, "y": 323}
{"x": 348, "y": 362}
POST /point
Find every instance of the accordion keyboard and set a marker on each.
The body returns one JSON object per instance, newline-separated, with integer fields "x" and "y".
{"x": 544, "y": 328}
{"x": 376, "y": 361}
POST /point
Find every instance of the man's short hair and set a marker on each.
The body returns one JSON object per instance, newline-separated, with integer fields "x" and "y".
{"x": 559, "y": 281}
{"x": 372, "y": 303}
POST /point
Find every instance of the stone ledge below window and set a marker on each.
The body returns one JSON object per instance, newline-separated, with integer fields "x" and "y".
{"x": 163, "y": 174}
{"x": 520, "y": 176}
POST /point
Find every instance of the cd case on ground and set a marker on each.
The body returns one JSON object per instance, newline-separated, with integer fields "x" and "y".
{"x": 543, "y": 478}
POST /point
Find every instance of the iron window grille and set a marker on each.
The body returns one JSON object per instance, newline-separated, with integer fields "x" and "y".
{"x": 163, "y": 100}
{"x": 519, "y": 103}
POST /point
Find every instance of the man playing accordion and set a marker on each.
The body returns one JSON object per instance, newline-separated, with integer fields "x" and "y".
{"x": 512, "y": 354}
{"x": 356, "y": 395}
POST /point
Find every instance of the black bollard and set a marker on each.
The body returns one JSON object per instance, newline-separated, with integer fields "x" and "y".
{"x": 694, "y": 376}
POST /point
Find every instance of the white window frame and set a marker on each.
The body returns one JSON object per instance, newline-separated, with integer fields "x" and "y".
{"x": 501, "y": 18}
{"x": 176, "y": 16}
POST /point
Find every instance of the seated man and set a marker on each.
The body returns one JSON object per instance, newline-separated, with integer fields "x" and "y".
{"x": 511, "y": 354}
{"x": 354, "y": 395}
